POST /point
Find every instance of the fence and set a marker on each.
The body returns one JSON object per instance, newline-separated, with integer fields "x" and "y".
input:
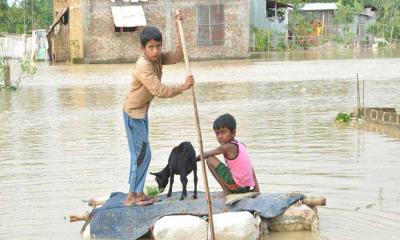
{"x": 340, "y": 35}
{"x": 16, "y": 46}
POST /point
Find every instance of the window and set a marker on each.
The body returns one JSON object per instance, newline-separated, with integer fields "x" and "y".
{"x": 210, "y": 25}
{"x": 125, "y": 29}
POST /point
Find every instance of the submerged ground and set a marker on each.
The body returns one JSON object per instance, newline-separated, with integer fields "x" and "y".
{"x": 62, "y": 138}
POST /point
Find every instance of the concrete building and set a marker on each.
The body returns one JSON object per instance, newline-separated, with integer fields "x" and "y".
{"x": 94, "y": 31}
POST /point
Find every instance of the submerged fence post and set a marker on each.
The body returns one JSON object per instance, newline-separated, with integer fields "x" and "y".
{"x": 363, "y": 83}
{"x": 7, "y": 76}
{"x": 358, "y": 96}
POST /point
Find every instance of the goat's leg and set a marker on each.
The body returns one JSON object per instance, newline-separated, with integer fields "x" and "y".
{"x": 184, "y": 181}
{"x": 195, "y": 181}
{"x": 171, "y": 181}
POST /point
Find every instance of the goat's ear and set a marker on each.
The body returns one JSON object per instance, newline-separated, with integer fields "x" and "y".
{"x": 152, "y": 173}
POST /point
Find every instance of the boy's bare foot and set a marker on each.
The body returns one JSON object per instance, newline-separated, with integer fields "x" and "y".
{"x": 129, "y": 200}
{"x": 138, "y": 202}
{"x": 139, "y": 199}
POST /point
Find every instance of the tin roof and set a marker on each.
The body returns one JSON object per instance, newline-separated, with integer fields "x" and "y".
{"x": 318, "y": 6}
{"x": 57, "y": 19}
{"x": 128, "y": 16}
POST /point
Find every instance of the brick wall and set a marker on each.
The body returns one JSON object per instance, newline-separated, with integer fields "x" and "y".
{"x": 103, "y": 44}
{"x": 386, "y": 116}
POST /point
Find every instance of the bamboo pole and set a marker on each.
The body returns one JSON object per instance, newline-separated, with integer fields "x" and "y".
{"x": 79, "y": 217}
{"x": 203, "y": 166}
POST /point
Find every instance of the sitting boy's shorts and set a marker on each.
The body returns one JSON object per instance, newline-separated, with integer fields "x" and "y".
{"x": 225, "y": 173}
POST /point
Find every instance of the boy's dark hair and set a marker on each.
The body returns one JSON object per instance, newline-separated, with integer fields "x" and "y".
{"x": 148, "y": 34}
{"x": 225, "y": 120}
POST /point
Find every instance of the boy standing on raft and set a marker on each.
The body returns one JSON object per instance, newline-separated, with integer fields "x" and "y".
{"x": 146, "y": 84}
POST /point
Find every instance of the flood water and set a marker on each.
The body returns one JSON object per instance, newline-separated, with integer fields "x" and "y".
{"x": 62, "y": 140}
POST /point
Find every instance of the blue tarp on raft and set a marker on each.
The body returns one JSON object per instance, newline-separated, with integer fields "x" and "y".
{"x": 115, "y": 221}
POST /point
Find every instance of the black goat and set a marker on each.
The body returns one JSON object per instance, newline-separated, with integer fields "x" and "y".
{"x": 181, "y": 161}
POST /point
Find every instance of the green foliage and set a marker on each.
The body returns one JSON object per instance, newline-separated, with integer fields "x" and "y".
{"x": 387, "y": 14}
{"x": 346, "y": 10}
{"x": 263, "y": 39}
{"x": 281, "y": 45}
{"x": 152, "y": 190}
{"x": 382, "y": 44}
{"x": 28, "y": 67}
{"x": 387, "y": 19}
{"x": 299, "y": 23}
{"x": 300, "y": 27}
{"x": 38, "y": 15}
{"x": 342, "y": 117}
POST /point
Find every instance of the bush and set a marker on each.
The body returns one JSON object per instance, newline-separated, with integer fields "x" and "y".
{"x": 262, "y": 39}
{"x": 342, "y": 117}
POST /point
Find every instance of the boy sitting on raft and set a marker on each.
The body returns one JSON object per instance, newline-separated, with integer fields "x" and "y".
{"x": 237, "y": 176}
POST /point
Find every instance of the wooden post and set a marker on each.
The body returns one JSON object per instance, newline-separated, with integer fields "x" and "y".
{"x": 203, "y": 166}
{"x": 391, "y": 35}
{"x": 363, "y": 83}
{"x": 7, "y": 76}
{"x": 79, "y": 217}
{"x": 358, "y": 96}
{"x": 314, "y": 201}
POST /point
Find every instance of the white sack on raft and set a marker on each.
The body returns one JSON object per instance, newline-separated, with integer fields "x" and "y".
{"x": 236, "y": 226}
{"x": 227, "y": 226}
{"x": 180, "y": 227}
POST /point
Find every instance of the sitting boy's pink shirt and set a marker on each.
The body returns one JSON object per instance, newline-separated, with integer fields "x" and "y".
{"x": 241, "y": 167}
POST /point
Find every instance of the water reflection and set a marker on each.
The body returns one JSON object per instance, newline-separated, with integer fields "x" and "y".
{"x": 82, "y": 97}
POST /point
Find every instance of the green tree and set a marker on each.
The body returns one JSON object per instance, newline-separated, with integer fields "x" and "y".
{"x": 25, "y": 15}
{"x": 387, "y": 23}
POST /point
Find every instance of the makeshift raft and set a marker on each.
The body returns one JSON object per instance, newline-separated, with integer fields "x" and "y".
{"x": 113, "y": 220}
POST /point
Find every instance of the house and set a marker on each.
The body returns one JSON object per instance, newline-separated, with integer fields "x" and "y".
{"x": 361, "y": 22}
{"x": 323, "y": 14}
{"x": 269, "y": 15}
{"x": 272, "y": 17}
{"x": 94, "y": 31}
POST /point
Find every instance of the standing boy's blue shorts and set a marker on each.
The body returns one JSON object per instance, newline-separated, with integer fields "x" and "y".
{"x": 137, "y": 131}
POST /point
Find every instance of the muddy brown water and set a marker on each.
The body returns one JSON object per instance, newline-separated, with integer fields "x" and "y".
{"x": 62, "y": 139}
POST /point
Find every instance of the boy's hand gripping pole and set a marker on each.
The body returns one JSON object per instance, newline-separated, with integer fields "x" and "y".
{"x": 203, "y": 166}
